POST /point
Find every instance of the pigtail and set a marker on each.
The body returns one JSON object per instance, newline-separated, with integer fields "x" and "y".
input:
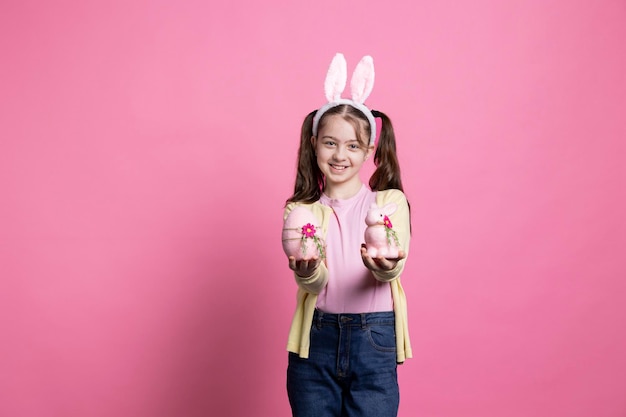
{"x": 309, "y": 178}
{"x": 387, "y": 173}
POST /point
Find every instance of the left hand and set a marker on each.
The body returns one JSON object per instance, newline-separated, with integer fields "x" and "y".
{"x": 380, "y": 263}
{"x": 305, "y": 268}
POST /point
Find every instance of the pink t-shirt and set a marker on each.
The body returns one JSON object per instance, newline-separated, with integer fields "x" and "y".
{"x": 351, "y": 286}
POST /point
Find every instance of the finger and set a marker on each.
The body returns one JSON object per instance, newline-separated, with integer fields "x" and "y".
{"x": 309, "y": 265}
{"x": 364, "y": 254}
{"x": 368, "y": 261}
{"x": 386, "y": 264}
{"x": 382, "y": 263}
{"x": 401, "y": 256}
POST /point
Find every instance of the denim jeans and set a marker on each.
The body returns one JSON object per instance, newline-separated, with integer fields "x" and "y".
{"x": 351, "y": 369}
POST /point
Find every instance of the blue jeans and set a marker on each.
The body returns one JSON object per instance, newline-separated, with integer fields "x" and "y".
{"x": 351, "y": 369}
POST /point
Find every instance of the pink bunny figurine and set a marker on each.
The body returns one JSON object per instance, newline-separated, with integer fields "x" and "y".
{"x": 301, "y": 232}
{"x": 380, "y": 238}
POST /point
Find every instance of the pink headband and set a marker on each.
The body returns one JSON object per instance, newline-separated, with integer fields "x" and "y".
{"x": 361, "y": 86}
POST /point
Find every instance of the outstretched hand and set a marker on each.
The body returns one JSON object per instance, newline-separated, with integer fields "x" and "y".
{"x": 304, "y": 267}
{"x": 379, "y": 263}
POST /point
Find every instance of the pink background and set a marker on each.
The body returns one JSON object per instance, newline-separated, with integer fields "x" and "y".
{"x": 147, "y": 148}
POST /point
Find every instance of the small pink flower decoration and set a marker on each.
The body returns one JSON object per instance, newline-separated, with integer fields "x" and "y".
{"x": 308, "y": 230}
{"x": 391, "y": 234}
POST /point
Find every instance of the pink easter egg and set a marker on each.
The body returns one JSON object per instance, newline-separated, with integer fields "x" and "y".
{"x": 302, "y": 234}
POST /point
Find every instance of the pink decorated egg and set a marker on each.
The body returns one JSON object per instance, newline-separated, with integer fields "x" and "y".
{"x": 302, "y": 234}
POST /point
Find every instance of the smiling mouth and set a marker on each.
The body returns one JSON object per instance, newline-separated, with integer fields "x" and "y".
{"x": 338, "y": 167}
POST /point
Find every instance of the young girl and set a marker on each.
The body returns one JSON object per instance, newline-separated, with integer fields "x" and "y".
{"x": 349, "y": 330}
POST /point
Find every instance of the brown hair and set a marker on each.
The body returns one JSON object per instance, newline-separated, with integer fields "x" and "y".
{"x": 310, "y": 180}
{"x": 387, "y": 173}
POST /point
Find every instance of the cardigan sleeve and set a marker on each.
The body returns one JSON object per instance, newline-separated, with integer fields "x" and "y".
{"x": 316, "y": 282}
{"x": 401, "y": 222}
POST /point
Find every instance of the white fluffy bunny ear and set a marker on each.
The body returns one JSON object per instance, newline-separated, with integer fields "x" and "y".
{"x": 362, "y": 81}
{"x": 336, "y": 78}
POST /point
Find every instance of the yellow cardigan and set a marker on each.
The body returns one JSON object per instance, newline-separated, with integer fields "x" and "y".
{"x": 310, "y": 287}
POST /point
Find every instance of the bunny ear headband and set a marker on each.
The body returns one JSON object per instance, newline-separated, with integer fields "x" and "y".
{"x": 361, "y": 86}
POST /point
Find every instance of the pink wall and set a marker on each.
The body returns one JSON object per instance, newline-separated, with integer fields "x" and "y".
{"x": 147, "y": 148}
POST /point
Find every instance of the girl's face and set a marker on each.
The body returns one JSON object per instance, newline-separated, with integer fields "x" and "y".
{"x": 340, "y": 156}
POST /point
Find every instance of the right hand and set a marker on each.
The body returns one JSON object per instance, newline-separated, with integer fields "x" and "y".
{"x": 380, "y": 264}
{"x": 305, "y": 267}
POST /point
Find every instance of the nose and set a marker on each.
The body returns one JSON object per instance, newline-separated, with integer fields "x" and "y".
{"x": 339, "y": 153}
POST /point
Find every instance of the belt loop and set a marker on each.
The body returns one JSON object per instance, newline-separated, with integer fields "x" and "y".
{"x": 363, "y": 321}
{"x": 319, "y": 319}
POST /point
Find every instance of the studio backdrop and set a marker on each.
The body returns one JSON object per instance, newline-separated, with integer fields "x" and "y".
{"x": 147, "y": 149}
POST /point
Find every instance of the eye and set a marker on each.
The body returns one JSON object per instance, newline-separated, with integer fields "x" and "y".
{"x": 329, "y": 143}
{"x": 354, "y": 147}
